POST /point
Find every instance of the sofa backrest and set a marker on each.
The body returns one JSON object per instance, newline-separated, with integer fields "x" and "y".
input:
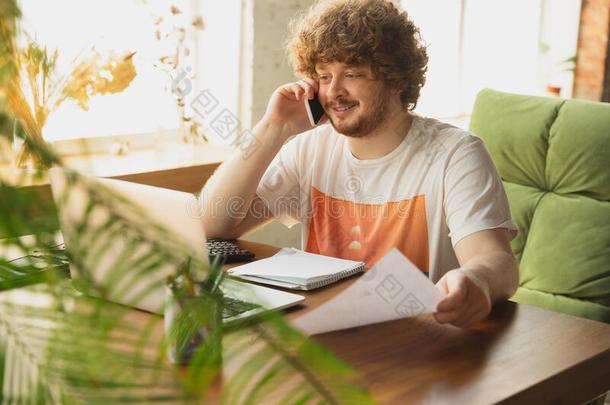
{"x": 554, "y": 158}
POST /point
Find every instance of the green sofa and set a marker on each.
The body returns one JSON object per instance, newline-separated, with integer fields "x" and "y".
{"x": 554, "y": 158}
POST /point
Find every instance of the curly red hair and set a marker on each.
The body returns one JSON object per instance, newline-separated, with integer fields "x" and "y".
{"x": 375, "y": 33}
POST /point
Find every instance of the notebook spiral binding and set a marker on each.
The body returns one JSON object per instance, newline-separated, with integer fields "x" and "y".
{"x": 335, "y": 278}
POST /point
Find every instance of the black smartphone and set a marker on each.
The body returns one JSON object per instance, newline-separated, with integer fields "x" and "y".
{"x": 315, "y": 112}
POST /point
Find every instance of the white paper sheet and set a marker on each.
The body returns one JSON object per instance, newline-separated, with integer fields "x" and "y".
{"x": 394, "y": 288}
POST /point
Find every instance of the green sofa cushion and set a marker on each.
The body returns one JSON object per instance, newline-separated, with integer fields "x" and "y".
{"x": 560, "y": 303}
{"x": 516, "y": 132}
{"x": 554, "y": 158}
{"x": 568, "y": 248}
{"x": 523, "y": 201}
{"x": 579, "y": 150}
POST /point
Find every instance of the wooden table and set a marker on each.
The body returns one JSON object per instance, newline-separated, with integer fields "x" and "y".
{"x": 521, "y": 354}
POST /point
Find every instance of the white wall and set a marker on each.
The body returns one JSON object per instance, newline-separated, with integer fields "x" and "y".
{"x": 270, "y": 66}
{"x": 266, "y": 23}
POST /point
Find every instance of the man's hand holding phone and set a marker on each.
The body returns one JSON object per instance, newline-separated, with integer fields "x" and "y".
{"x": 287, "y": 109}
{"x": 315, "y": 111}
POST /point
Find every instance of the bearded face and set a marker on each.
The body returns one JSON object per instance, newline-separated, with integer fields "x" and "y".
{"x": 354, "y": 101}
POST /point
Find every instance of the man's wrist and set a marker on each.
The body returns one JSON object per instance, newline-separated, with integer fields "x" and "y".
{"x": 477, "y": 274}
{"x": 499, "y": 271}
{"x": 271, "y": 132}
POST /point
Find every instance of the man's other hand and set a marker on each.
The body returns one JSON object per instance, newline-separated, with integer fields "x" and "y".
{"x": 467, "y": 299}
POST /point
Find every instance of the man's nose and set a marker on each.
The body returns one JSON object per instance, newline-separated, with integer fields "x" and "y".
{"x": 336, "y": 89}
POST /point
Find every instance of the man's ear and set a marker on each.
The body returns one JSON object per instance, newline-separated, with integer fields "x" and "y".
{"x": 397, "y": 92}
{"x": 396, "y": 88}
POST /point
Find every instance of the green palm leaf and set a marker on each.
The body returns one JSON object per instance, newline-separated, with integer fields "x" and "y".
{"x": 58, "y": 345}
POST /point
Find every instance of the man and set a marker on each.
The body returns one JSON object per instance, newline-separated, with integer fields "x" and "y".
{"x": 375, "y": 175}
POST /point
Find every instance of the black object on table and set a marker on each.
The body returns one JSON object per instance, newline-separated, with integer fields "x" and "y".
{"x": 227, "y": 251}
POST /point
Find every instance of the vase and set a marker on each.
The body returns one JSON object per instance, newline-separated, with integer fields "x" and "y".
{"x": 192, "y": 324}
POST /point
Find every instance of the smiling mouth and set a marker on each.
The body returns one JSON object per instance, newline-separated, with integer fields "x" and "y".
{"x": 344, "y": 108}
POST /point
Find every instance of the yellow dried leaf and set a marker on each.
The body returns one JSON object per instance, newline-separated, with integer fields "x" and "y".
{"x": 121, "y": 71}
{"x": 198, "y": 23}
{"x": 97, "y": 76}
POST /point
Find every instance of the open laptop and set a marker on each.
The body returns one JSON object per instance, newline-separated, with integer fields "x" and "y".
{"x": 168, "y": 209}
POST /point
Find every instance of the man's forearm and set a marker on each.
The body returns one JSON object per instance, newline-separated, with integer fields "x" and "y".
{"x": 228, "y": 194}
{"x": 498, "y": 270}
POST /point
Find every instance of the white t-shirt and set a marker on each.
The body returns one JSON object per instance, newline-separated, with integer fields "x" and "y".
{"x": 438, "y": 186}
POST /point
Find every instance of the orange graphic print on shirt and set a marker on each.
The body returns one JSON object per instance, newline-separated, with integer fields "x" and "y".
{"x": 366, "y": 232}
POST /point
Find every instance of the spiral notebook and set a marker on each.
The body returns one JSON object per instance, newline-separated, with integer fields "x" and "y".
{"x": 296, "y": 269}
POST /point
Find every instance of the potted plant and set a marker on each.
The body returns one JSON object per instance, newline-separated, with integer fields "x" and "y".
{"x": 59, "y": 346}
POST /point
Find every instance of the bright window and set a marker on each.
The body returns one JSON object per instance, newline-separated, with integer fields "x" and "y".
{"x": 516, "y": 46}
{"x": 74, "y": 27}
